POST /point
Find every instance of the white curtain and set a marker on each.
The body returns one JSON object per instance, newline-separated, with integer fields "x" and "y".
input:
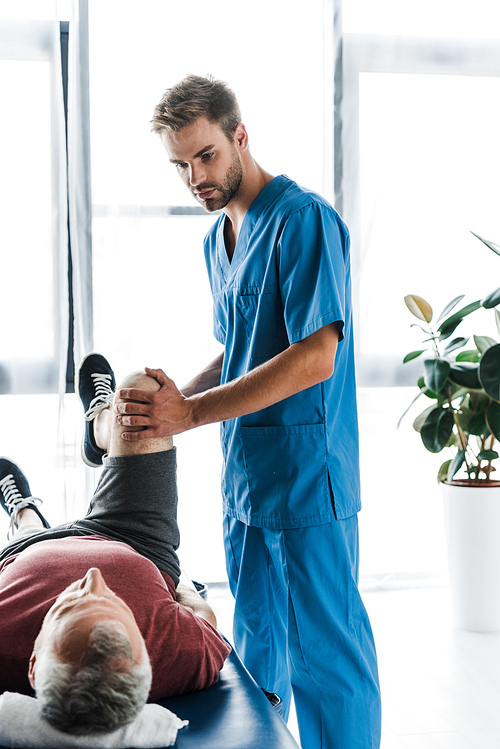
{"x": 79, "y": 189}
{"x": 79, "y": 480}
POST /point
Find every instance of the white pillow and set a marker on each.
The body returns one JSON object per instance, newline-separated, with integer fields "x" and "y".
{"x": 22, "y": 725}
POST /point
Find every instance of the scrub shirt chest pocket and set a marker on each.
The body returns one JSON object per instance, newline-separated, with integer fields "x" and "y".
{"x": 259, "y": 316}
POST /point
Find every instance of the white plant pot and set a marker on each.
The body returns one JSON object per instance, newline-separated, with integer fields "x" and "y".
{"x": 472, "y": 519}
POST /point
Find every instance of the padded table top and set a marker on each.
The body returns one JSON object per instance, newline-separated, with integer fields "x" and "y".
{"x": 232, "y": 714}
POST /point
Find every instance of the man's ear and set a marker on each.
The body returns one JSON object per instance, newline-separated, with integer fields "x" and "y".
{"x": 241, "y": 136}
{"x": 31, "y": 670}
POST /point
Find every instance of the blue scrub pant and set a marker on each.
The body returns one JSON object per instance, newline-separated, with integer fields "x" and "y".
{"x": 300, "y": 624}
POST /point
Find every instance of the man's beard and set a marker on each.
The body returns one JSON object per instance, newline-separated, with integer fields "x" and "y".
{"x": 227, "y": 189}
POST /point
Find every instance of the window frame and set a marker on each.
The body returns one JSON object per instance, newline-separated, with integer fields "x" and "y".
{"x": 369, "y": 54}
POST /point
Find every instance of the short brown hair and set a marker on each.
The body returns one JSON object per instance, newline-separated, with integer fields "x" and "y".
{"x": 195, "y": 97}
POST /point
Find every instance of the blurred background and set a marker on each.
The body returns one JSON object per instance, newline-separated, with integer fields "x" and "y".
{"x": 389, "y": 109}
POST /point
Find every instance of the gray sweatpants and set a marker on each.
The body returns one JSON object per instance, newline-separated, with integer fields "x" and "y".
{"x": 135, "y": 502}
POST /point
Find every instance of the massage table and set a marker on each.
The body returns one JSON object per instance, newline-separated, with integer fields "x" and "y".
{"x": 232, "y": 714}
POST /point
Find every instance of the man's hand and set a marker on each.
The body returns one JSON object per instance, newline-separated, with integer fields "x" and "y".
{"x": 161, "y": 413}
{"x": 168, "y": 412}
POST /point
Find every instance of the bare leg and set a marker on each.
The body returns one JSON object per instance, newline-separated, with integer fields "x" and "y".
{"x": 107, "y": 432}
{"x": 102, "y": 425}
{"x": 27, "y": 521}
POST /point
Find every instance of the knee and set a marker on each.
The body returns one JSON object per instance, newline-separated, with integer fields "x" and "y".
{"x": 118, "y": 446}
{"x": 139, "y": 380}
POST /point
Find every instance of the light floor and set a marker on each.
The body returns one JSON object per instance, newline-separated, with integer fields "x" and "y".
{"x": 440, "y": 686}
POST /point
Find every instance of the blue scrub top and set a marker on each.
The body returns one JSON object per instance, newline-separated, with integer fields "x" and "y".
{"x": 295, "y": 463}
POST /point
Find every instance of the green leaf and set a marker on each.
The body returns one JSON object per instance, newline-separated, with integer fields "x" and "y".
{"x": 437, "y": 429}
{"x": 449, "y": 325}
{"x": 443, "y": 471}
{"x": 491, "y": 245}
{"x": 489, "y": 371}
{"x": 473, "y": 471}
{"x": 488, "y": 455}
{"x": 451, "y": 305}
{"x": 447, "y": 331}
{"x": 421, "y": 419}
{"x": 491, "y": 300}
{"x": 472, "y": 421}
{"x": 470, "y": 356}
{"x": 466, "y": 375}
{"x": 497, "y": 319}
{"x": 436, "y": 373}
{"x": 419, "y": 307}
{"x": 456, "y": 464}
{"x": 452, "y": 441}
{"x": 479, "y": 401}
{"x": 483, "y": 343}
{"x": 416, "y": 325}
{"x": 413, "y": 355}
{"x": 458, "y": 392}
{"x": 455, "y": 344}
{"x": 464, "y": 416}
{"x": 477, "y": 424}
{"x": 427, "y": 391}
{"x": 493, "y": 419}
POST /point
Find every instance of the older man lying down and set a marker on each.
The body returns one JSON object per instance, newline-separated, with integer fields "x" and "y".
{"x": 92, "y": 615}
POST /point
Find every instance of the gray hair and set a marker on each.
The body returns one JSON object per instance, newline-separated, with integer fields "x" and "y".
{"x": 103, "y": 693}
{"x": 195, "y": 97}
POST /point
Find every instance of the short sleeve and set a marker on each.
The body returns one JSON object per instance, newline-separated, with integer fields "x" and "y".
{"x": 186, "y": 652}
{"x": 313, "y": 248}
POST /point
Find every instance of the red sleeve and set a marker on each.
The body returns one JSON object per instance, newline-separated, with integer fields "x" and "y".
{"x": 186, "y": 652}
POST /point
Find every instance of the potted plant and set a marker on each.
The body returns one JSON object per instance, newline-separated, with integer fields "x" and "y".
{"x": 460, "y": 380}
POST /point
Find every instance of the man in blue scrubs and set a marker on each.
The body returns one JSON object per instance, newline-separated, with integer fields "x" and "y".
{"x": 284, "y": 392}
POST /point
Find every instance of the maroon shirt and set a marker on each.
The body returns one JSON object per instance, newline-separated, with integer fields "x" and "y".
{"x": 186, "y": 652}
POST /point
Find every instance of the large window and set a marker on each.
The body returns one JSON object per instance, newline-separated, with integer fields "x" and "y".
{"x": 152, "y": 303}
{"x": 151, "y": 296}
{"x": 33, "y": 234}
{"x": 34, "y": 301}
{"x": 390, "y": 107}
{"x": 419, "y": 110}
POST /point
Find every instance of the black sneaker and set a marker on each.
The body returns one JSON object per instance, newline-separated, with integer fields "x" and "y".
{"x": 96, "y": 387}
{"x": 15, "y": 493}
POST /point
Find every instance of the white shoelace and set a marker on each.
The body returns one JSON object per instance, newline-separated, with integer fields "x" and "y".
{"x": 104, "y": 395}
{"x": 14, "y": 500}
